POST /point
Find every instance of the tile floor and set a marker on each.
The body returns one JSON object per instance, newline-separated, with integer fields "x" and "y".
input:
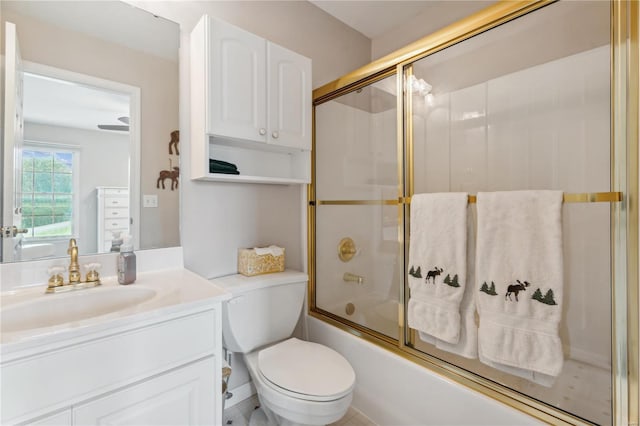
{"x": 239, "y": 415}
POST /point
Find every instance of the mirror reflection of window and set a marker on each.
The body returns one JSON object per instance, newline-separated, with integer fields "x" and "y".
{"x": 49, "y": 184}
{"x": 67, "y": 115}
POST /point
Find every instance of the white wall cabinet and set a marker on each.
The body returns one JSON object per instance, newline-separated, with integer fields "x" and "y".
{"x": 250, "y": 106}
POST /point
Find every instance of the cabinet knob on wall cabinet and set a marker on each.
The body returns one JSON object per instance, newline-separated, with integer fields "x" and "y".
{"x": 263, "y": 131}
{"x": 275, "y": 135}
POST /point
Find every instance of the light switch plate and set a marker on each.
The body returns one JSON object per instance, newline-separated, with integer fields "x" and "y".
{"x": 149, "y": 201}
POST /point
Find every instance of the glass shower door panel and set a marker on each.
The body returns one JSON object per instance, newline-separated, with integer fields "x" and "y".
{"x": 534, "y": 118}
{"x": 364, "y": 289}
{"x": 356, "y": 144}
{"x": 356, "y": 193}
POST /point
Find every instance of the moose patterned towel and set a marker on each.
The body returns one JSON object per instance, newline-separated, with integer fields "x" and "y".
{"x": 467, "y": 345}
{"x": 519, "y": 282}
{"x": 437, "y": 264}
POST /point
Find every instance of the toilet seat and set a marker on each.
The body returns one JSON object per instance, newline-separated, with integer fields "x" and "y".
{"x": 306, "y": 370}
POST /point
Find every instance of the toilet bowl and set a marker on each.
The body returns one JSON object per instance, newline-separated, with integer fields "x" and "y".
{"x": 297, "y": 382}
{"x": 292, "y": 393}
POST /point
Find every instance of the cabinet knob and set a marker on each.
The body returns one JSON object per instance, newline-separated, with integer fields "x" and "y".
{"x": 275, "y": 134}
{"x": 263, "y": 131}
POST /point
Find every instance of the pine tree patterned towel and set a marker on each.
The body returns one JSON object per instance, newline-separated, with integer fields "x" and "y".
{"x": 467, "y": 345}
{"x": 519, "y": 282}
{"x": 437, "y": 264}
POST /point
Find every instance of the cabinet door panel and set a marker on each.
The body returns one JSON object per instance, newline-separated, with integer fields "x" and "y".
{"x": 289, "y": 94}
{"x": 59, "y": 419}
{"x": 182, "y": 397}
{"x": 238, "y": 89}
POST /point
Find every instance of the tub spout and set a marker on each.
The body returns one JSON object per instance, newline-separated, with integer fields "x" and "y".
{"x": 348, "y": 276}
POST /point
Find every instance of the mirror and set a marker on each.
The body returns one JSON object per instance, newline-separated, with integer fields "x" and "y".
{"x": 97, "y": 90}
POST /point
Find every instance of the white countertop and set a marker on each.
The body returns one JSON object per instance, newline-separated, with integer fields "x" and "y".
{"x": 174, "y": 292}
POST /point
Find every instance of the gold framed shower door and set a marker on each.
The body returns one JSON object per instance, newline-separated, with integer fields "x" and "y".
{"x": 623, "y": 198}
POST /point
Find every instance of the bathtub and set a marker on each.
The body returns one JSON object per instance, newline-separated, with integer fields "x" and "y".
{"x": 372, "y": 311}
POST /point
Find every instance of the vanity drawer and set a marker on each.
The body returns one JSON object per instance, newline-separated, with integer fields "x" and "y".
{"x": 116, "y": 191}
{"x": 116, "y": 202}
{"x": 116, "y": 224}
{"x": 110, "y": 213}
{"x": 46, "y": 381}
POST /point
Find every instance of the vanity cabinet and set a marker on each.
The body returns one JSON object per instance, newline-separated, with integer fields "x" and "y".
{"x": 250, "y": 106}
{"x": 171, "y": 399}
{"x": 58, "y": 419}
{"x": 164, "y": 370}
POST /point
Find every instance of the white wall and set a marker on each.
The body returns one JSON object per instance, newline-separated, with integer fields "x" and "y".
{"x": 104, "y": 161}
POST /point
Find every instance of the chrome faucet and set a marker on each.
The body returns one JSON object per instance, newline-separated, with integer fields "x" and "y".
{"x": 348, "y": 276}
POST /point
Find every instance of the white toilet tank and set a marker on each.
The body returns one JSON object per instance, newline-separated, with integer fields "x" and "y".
{"x": 263, "y": 309}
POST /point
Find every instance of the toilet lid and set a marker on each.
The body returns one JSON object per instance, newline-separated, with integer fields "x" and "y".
{"x": 306, "y": 368}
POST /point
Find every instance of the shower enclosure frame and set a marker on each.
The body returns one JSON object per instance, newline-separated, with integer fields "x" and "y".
{"x": 625, "y": 75}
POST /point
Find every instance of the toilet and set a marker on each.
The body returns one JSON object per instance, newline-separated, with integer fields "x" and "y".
{"x": 298, "y": 382}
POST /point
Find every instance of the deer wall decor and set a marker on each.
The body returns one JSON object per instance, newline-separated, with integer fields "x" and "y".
{"x": 172, "y": 174}
{"x": 175, "y": 139}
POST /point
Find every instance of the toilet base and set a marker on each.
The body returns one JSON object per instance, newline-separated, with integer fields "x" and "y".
{"x": 259, "y": 417}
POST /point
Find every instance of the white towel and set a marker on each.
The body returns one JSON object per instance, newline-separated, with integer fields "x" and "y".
{"x": 437, "y": 264}
{"x": 467, "y": 345}
{"x": 519, "y": 281}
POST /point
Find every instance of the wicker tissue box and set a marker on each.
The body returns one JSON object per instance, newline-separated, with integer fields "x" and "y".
{"x": 258, "y": 261}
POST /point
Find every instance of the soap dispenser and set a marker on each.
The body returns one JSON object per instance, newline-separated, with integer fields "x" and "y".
{"x": 126, "y": 262}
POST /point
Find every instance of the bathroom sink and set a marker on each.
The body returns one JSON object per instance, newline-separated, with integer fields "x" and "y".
{"x": 55, "y": 309}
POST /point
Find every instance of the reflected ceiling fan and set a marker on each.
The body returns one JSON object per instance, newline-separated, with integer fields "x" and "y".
{"x": 118, "y": 127}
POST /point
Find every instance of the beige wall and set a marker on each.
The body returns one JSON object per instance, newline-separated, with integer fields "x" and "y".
{"x": 437, "y": 15}
{"x": 46, "y": 44}
{"x": 335, "y": 48}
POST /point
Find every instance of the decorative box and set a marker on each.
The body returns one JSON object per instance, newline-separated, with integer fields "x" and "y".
{"x": 250, "y": 262}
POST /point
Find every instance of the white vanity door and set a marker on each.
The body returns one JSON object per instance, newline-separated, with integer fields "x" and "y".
{"x": 182, "y": 397}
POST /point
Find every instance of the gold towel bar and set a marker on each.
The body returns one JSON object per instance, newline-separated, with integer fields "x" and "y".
{"x": 583, "y": 197}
